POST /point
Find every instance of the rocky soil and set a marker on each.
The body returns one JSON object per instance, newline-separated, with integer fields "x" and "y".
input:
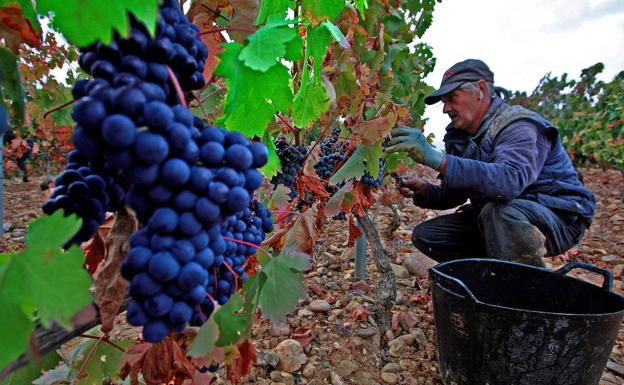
{"x": 331, "y": 338}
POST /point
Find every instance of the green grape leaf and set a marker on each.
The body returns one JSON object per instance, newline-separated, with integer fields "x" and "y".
{"x": 13, "y": 318}
{"x": 365, "y": 158}
{"x": 310, "y": 103}
{"x": 312, "y": 100}
{"x": 10, "y": 84}
{"x": 42, "y": 277}
{"x": 104, "y": 362}
{"x": 205, "y": 340}
{"x": 252, "y": 289}
{"x": 283, "y": 286}
{"x": 146, "y": 11}
{"x": 232, "y": 324}
{"x": 361, "y": 6}
{"x": 319, "y": 10}
{"x": 84, "y": 22}
{"x": 337, "y": 34}
{"x": 32, "y": 371}
{"x": 424, "y": 22}
{"x": 268, "y": 44}
{"x": 45, "y": 233}
{"x": 58, "y": 285}
{"x": 252, "y": 93}
{"x": 270, "y": 8}
{"x": 59, "y": 375}
{"x": 294, "y": 49}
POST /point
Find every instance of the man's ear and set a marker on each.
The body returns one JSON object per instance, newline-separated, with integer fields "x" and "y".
{"x": 483, "y": 87}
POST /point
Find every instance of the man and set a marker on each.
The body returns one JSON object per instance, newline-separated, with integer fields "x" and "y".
{"x": 526, "y": 200}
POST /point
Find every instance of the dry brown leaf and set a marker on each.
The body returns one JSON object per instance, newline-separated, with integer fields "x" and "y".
{"x": 132, "y": 361}
{"x": 304, "y": 335}
{"x": 95, "y": 249}
{"x": 110, "y": 286}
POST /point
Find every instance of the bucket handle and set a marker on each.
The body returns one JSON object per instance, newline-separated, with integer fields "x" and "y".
{"x": 456, "y": 281}
{"x": 608, "y": 278}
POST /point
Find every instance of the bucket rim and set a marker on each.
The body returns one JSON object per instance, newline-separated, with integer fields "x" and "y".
{"x": 471, "y": 297}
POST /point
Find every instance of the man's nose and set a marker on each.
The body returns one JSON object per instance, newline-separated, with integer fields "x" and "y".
{"x": 445, "y": 108}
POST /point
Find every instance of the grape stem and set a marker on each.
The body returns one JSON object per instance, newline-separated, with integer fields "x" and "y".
{"x": 229, "y": 29}
{"x": 217, "y": 13}
{"x": 201, "y": 312}
{"x": 176, "y": 85}
{"x": 236, "y": 277}
{"x": 248, "y": 244}
{"x": 201, "y": 105}
{"x": 290, "y": 127}
{"x": 58, "y": 108}
{"x": 89, "y": 356}
{"x": 105, "y": 339}
{"x": 210, "y": 298}
{"x": 202, "y": 100}
{"x": 321, "y": 137}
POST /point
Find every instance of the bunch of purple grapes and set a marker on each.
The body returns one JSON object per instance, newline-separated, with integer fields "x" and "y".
{"x": 292, "y": 158}
{"x": 334, "y": 152}
{"x": 135, "y": 145}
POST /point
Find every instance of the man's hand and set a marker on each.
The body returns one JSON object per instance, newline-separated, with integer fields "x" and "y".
{"x": 412, "y": 185}
{"x": 412, "y": 141}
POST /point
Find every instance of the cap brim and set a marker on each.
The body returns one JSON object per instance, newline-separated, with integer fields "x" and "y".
{"x": 436, "y": 96}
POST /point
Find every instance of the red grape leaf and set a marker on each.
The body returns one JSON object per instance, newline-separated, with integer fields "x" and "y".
{"x": 16, "y": 29}
{"x": 313, "y": 185}
{"x": 354, "y": 232}
{"x": 241, "y": 365}
{"x": 205, "y": 21}
{"x": 304, "y": 335}
{"x": 358, "y": 200}
{"x": 376, "y": 129}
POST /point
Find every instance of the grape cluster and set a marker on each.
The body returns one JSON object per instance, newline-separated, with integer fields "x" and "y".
{"x": 240, "y": 232}
{"x": 369, "y": 181}
{"x": 88, "y": 193}
{"x": 135, "y": 145}
{"x": 291, "y": 158}
{"x": 333, "y": 154}
{"x": 182, "y": 249}
{"x": 140, "y": 57}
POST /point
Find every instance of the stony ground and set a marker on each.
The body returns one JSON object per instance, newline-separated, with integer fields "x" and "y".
{"x": 333, "y": 323}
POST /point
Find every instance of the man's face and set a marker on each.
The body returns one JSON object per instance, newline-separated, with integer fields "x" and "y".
{"x": 464, "y": 109}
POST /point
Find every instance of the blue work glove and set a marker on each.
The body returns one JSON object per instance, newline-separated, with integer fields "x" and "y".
{"x": 412, "y": 141}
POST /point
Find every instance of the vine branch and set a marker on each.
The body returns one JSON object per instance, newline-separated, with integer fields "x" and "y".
{"x": 386, "y": 287}
{"x": 228, "y": 29}
{"x": 57, "y": 108}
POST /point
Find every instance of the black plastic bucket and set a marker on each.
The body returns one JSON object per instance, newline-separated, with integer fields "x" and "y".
{"x": 504, "y": 323}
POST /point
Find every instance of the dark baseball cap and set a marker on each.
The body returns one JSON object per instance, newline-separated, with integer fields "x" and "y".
{"x": 470, "y": 70}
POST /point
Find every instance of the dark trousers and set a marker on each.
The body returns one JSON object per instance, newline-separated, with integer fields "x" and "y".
{"x": 521, "y": 230}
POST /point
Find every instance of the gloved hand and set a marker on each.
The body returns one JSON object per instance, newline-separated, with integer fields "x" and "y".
{"x": 412, "y": 141}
